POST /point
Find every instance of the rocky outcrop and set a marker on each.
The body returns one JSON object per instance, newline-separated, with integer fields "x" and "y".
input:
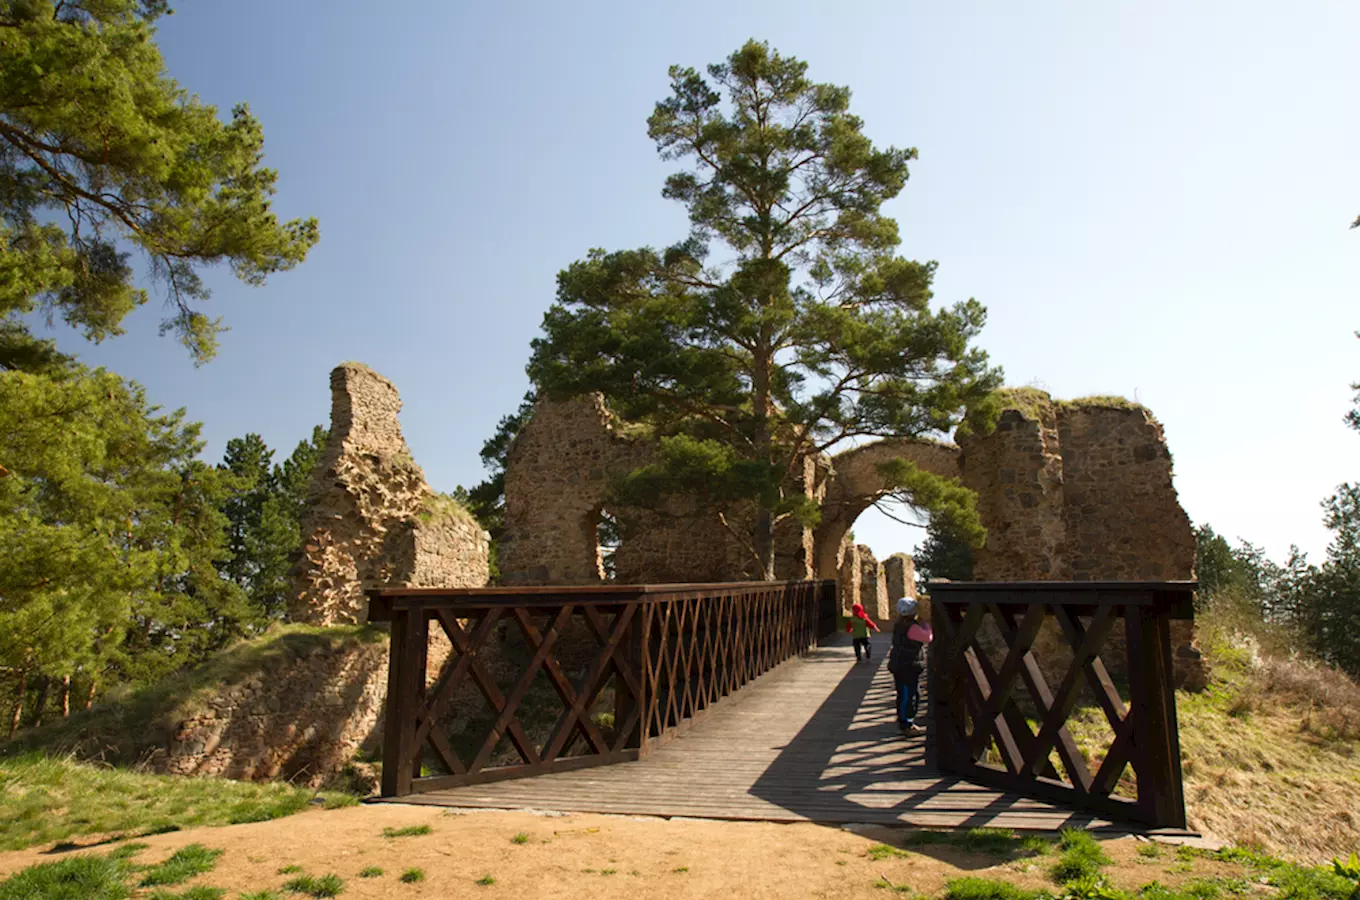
{"x": 371, "y": 519}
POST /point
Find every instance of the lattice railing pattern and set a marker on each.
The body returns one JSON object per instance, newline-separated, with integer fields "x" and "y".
{"x": 999, "y": 719}
{"x": 652, "y": 657}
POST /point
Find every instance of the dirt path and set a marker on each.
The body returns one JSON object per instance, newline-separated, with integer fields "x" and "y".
{"x": 585, "y": 856}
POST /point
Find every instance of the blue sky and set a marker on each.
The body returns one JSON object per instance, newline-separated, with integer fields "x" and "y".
{"x": 1151, "y": 199}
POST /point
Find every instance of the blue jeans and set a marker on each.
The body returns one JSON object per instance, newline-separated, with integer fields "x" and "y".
{"x": 908, "y": 686}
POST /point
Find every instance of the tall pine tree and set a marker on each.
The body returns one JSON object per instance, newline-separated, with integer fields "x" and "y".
{"x": 785, "y": 323}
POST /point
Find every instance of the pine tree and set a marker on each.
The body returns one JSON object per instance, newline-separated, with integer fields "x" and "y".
{"x": 100, "y": 151}
{"x": 785, "y": 324}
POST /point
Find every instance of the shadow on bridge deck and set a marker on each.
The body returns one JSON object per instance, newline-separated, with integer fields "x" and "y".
{"x": 812, "y": 740}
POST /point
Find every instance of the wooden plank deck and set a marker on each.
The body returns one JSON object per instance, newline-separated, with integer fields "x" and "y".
{"x": 812, "y": 740}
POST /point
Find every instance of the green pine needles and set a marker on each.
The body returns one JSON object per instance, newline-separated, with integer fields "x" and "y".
{"x": 784, "y": 324}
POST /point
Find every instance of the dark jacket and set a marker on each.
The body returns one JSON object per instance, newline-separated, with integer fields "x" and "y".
{"x": 908, "y": 654}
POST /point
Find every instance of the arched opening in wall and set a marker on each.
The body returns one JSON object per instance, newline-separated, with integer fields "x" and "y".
{"x": 607, "y": 539}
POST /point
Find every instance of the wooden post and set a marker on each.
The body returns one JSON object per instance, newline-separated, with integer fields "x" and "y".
{"x": 405, "y": 698}
{"x": 1160, "y": 799}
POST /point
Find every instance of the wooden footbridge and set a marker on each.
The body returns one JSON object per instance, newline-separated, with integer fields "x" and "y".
{"x": 743, "y": 701}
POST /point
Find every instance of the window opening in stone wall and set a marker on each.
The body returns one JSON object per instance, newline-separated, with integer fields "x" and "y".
{"x": 607, "y": 536}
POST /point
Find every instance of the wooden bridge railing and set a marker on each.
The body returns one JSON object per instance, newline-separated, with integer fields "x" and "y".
{"x": 546, "y": 679}
{"x": 985, "y": 636}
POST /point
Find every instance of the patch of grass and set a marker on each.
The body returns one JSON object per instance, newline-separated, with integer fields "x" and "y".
{"x": 988, "y": 841}
{"x": 45, "y": 800}
{"x": 127, "y": 851}
{"x": 290, "y": 870}
{"x": 680, "y": 870}
{"x": 408, "y": 831}
{"x": 183, "y": 864}
{"x": 880, "y": 852}
{"x": 520, "y": 838}
{"x": 314, "y": 886}
{"x": 411, "y": 876}
{"x": 260, "y": 895}
{"x": 609, "y": 871}
{"x": 987, "y": 889}
{"x": 925, "y": 837}
{"x": 1091, "y": 887}
{"x": 885, "y": 884}
{"x": 485, "y": 881}
{"x": 198, "y": 892}
{"x": 1082, "y": 857}
{"x": 370, "y": 872}
{"x": 1150, "y": 850}
{"x": 77, "y": 878}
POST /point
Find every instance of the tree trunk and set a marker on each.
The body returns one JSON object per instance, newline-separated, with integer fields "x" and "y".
{"x": 65, "y": 696}
{"x": 94, "y": 685}
{"x": 19, "y": 701}
{"x": 764, "y": 529}
{"x": 41, "y": 706}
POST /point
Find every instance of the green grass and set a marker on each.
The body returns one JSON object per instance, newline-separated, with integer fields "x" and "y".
{"x": 411, "y": 876}
{"x": 1149, "y": 850}
{"x": 520, "y": 838}
{"x": 185, "y": 863}
{"x": 290, "y": 870}
{"x": 128, "y": 850}
{"x": 260, "y": 895}
{"x": 880, "y": 852}
{"x": 1081, "y": 858}
{"x": 371, "y": 872}
{"x": 408, "y": 831}
{"x": 989, "y": 841}
{"x": 198, "y": 892}
{"x": 885, "y": 884}
{"x": 986, "y": 889}
{"x": 317, "y": 886}
{"x": 46, "y": 800}
{"x": 486, "y": 881}
{"x": 680, "y": 870}
{"x": 77, "y": 878}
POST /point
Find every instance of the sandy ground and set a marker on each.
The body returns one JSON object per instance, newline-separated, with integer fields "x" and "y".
{"x": 587, "y": 856}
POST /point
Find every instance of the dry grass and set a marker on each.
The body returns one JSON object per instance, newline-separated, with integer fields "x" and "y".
{"x": 1271, "y": 752}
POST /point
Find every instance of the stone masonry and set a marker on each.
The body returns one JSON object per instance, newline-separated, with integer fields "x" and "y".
{"x": 371, "y": 519}
{"x": 1076, "y": 490}
{"x": 899, "y": 570}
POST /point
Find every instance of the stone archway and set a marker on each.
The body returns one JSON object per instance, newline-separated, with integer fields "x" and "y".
{"x": 855, "y": 483}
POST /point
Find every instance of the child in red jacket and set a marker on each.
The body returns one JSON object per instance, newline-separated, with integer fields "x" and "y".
{"x": 859, "y": 626}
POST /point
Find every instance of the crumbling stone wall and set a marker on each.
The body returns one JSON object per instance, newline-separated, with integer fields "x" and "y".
{"x": 873, "y": 586}
{"x": 557, "y": 476}
{"x": 371, "y": 519}
{"x": 899, "y": 570}
{"x": 1081, "y": 491}
{"x": 1076, "y": 490}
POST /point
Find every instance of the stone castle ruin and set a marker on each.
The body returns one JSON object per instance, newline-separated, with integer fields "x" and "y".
{"x": 311, "y": 701}
{"x": 1067, "y": 491}
{"x": 372, "y": 520}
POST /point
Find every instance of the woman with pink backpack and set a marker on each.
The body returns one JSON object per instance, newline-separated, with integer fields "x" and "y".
{"x": 906, "y": 662}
